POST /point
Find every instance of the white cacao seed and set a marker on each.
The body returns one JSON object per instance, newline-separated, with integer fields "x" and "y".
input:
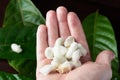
{"x": 47, "y": 69}
{"x": 16, "y": 48}
{"x": 49, "y": 53}
{"x": 71, "y": 50}
{"x": 69, "y": 41}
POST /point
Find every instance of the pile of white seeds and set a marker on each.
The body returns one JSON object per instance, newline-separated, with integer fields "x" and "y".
{"x": 65, "y": 56}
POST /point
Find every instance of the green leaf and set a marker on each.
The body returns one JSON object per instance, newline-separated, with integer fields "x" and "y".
{"x": 24, "y": 36}
{"x": 100, "y": 36}
{"x": 8, "y": 76}
{"x": 22, "y": 13}
{"x": 115, "y": 76}
{"x": 20, "y": 24}
{"x": 24, "y": 67}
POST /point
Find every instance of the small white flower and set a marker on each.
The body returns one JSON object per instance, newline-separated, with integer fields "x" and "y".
{"x": 16, "y": 48}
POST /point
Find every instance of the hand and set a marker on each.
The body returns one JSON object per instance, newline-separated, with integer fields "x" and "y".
{"x": 63, "y": 24}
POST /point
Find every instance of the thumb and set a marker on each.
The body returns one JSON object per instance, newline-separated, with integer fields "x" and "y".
{"x": 105, "y": 57}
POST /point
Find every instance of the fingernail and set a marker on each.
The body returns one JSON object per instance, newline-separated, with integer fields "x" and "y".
{"x": 112, "y": 56}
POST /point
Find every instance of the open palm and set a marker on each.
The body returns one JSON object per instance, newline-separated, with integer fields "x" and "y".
{"x": 61, "y": 23}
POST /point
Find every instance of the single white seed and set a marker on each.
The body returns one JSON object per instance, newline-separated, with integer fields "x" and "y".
{"x": 71, "y": 50}
{"x": 76, "y": 64}
{"x": 59, "y": 42}
{"x": 16, "y": 48}
{"x": 63, "y": 50}
{"x": 45, "y": 70}
{"x": 82, "y": 49}
{"x": 65, "y": 67}
{"x": 49, "y": 53}
{"x": 55, "y": 63}
{"x": 69, "y": 41}
{"x": 59, "y": 59}
{"x": 76, "y": 55}
{"x": 59, "y": 50}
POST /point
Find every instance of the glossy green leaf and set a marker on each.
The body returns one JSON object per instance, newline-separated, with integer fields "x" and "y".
{"x": 22, "y": 13}
{"x": 100, "y": 36}
{"x": 24, "y": 36}
{"x": 115, "y": 76}
{"x": 8, "y": 76}
{"x": 24, "y": 67}
{"x": 20, "y": 25}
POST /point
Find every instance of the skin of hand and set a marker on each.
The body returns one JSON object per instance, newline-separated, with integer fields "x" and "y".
{"x": 61, "y": 23}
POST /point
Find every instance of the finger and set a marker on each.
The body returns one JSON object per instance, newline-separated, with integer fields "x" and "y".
{"x": 105, "y": 57}
{"x": 78, "y": 33}
{"x": 41, "y": 43}
{"x": 52, "y": 25}
{"x": 62, "y": 22}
